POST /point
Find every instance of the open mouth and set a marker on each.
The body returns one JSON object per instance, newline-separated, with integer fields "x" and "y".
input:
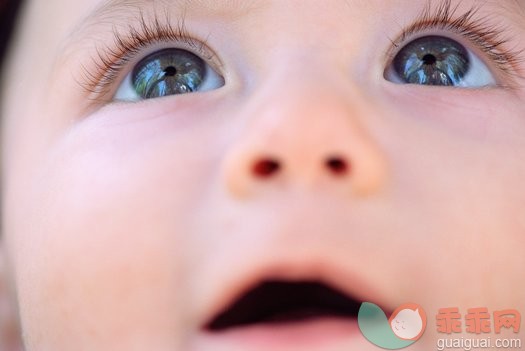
{"x": 279, "y": 302}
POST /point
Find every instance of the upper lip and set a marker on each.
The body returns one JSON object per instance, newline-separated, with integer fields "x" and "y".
{"x": 302, "y": 268}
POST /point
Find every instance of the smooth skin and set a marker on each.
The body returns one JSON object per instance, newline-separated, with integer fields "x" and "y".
{"x": 126, "y": 225}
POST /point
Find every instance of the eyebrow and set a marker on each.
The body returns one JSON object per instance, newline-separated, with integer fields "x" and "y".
{"x": 515, "y": 10}
{"x": 109, "y": 12}
{"x": 110, "y": 8}
{"x": 511, "y": 9}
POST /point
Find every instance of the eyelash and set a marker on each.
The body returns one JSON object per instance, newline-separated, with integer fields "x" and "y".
{"x": 112, "y": 60}
{"x": 480, "y": 31}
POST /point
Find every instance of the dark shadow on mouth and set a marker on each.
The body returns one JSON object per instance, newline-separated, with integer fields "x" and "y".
{"x": 285, "y": 302}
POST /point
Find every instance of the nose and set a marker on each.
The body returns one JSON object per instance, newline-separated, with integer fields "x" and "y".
{"x": 305, "y": 135}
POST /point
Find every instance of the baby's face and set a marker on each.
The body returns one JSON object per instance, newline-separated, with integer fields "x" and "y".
{"x": 300, "y": 156}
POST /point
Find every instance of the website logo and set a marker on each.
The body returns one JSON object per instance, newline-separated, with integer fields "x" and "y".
{"x": 472, "y": 330}
{"x": 404, "y": 327}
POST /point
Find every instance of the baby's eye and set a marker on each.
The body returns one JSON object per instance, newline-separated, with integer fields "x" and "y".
{"x": 437, "y": 60}
{"x": 168, "y": 72}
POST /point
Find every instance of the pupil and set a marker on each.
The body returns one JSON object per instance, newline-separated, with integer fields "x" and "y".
{"x": 170, "y": 71}
{"x": 429, "y": 59}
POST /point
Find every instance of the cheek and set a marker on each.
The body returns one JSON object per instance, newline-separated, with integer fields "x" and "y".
{"x": 457, "y": 174}
{"x": 463, "y": 148}
{"x": 105, "y": 228}
{"x": 478, "y": 115}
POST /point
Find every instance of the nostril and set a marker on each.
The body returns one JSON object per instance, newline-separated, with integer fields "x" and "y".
{"x": 266, "y": 167}
{"x": 337, "y": 165}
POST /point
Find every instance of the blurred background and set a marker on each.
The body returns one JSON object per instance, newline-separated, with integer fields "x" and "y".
{"x": 9, "y": 331}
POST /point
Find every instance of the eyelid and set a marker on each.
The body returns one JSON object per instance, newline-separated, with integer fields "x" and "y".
{"x": 114, "y": 61}
{"x": 473, "y": 30}
{"x": 131, "y": 59}
{"x": 471, "y": 49}
{"x": 407, "y": 37}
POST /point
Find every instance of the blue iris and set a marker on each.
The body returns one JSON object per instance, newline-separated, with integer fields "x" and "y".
{"x": 168, "y": 72}
{"x": 432, "y": 60}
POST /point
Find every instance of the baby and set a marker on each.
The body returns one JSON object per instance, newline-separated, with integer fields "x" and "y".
{"x": 221, "y": 175}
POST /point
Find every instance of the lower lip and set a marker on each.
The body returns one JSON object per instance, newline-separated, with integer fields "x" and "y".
{"x": 308, "y": 334}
